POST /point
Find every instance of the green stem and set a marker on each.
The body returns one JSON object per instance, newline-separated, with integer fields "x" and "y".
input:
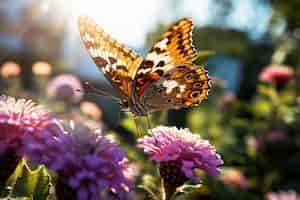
{"x": 63, "y": 191}
{"x": 168, "y": 191}
{"x": 9, "y": 162}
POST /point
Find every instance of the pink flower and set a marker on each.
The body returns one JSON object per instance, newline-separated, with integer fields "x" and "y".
{"x": 178, "y": 153}
{"x": 65, "y": 87}
{"x": 276, "y": 74}
{"x": 85, "y": 161}
{"x": 19, "y": 119}
{"x": 288, "y": 195}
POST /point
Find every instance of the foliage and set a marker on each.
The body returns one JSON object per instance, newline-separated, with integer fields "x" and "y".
{"x": 30, "y": 183}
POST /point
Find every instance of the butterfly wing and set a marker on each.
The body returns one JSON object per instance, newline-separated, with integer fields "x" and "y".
{"x": 172, "y": 49}
{"x": 184, "y": 85}
{"x": 118, "y": 63}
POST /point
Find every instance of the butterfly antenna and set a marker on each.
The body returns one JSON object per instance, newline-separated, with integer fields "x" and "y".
{"x": 90, "y": 89}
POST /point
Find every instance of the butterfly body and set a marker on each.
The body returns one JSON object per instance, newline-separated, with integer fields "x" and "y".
{"x": 165, "y": 79}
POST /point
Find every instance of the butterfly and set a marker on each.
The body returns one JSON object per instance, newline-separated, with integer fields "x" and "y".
{"x": 165, "y": 79}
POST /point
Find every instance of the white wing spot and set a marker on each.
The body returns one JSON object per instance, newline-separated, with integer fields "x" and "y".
{"x": 156, "y": 58}
{"x": 162, "y": 44}
{"x": 144, "y": 71}
{"x": 106, "y": 68}
{"x": 99, "y": 52}
{"x": 170, "y": 85}
{"x": 181, "y": 88}
{"x": 93, "y": 52}
{"x": 88, "y": 38}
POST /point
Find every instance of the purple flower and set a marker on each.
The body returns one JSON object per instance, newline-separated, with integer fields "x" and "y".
{"x": 65, "y": 87}
{"x": 20, "y": 119}
{"x": 178, "y": 153}
{"x": 85, "y": 160}
{"x": 288, "y": 195}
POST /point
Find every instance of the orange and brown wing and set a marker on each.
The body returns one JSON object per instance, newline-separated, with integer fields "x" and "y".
{"x": 118, "y": 63}
{"x": 187, "y": 84}
{"x": 172, "y": 49}
{"x": 183, "y": 86}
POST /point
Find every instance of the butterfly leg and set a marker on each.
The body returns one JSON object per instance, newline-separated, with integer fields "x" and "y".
{"x": 149, "y": 121}
{"x": 138, "y": 131}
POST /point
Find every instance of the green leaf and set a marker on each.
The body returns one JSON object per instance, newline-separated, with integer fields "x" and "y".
{"x": 33, "y": 184}
{"x": 151, "y": 185}
{"x": 186, "y": 188}
{"x": 268, "y": 91}
{"x": 203, "y": 56}
{"x": 262, "y": 108}
{"x": 149, "y": 192}
{"x": 17, "y": 198}
{"x": 287, "y": 114}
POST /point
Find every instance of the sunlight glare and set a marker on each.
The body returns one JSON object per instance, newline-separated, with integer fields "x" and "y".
{"x": 129, "y": 21}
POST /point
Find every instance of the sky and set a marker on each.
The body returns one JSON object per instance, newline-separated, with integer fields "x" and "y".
{"x": 129, "y": 21}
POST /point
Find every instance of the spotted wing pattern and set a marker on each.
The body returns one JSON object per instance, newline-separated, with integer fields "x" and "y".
{"x": 188, "y": 84}
{"x": 118, "y": 63}
{"x": 172, "y": 49}
{"x": 185, "y": 85}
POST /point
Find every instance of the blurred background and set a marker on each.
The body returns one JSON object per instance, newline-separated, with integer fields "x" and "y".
{"x": 253, "y": 121}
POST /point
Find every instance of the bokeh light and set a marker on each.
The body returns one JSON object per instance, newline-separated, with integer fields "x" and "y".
{"x": 41, "y": 69}
{"x": 10, "y": 69}
{"x": 91, "y": 109}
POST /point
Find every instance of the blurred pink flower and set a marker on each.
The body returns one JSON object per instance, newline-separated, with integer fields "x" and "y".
{"x": 178, "y": 153}
{"x": 86, "y": 161}
{"x": 298, "y": 100}
{"x": 65, "y": 87}
{"x": 277, "y": 136}
{"x": 133, "y": 171}
{"x": 272, "y": 137}
{"x": 276, "y": 74}
{"x": 235, "y": 177}
{"x": 19, "y": 119}
{"x": 227, "y": 100}
{"x": 282, "y": 195}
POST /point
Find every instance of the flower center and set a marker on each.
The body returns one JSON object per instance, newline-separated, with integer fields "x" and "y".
{"x": 171, "y": 173}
